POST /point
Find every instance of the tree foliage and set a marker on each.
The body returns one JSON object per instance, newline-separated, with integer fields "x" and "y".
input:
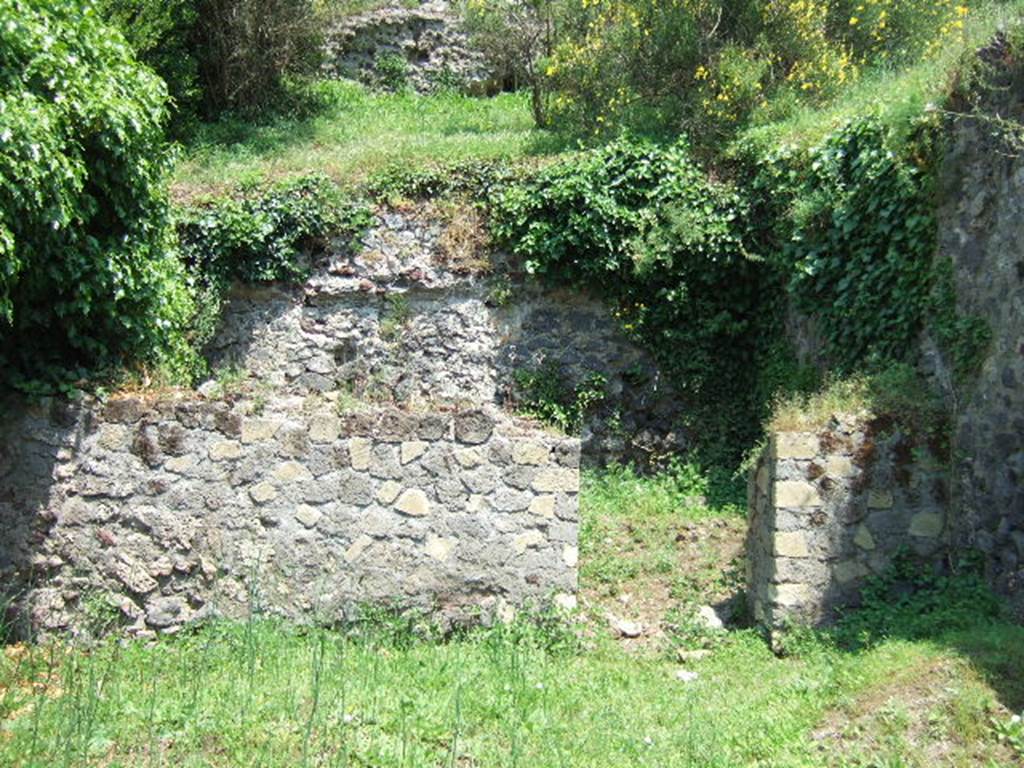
{"x": 86, "y": 276}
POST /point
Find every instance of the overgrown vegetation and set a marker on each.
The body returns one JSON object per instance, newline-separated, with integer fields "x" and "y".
{"x": 223, "y": 56}
{"x": 88, "y": 279}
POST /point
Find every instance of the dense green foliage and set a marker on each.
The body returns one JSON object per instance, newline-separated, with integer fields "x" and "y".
{"x": 856, "y": 229}
{"x": 266, "y": 234}
{"x": 161, "y": 33}
{"x": 709, "y": 67}
{"x": 675, "y": 253}
{"x": 914, "y": 602}
{"x": 87, "y": 279}
{"x": 220, "y": 56}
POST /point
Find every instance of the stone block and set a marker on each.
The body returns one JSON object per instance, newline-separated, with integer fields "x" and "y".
{"x": 412, "y": 450}
{"x": 360, "y": 450}
{"x": 880, "y": 499}
{"x": 526, "y": 540}
{"x": 324, "y": 428}
{"x": 468, "y": 457}
{"x": 838, "y": 467}
{"x": 413, "y": 502}
{"x": 792, "y": 544}
{"x": 927, "y": 525}
{"x": 796, "y": 493}
{"x": 439, "y": 548}
{"x": 262, "y": 493}
{"x": 473, "y": 427}
{"x": 308, "y": 516}
{"x": 179, "y": 465}
{"x": 291, "y": 472}
{"x": 863, "y": 538}
{"x": 114, "y": 437}
{"x": 258, "y": 430}
{"x": 388, "y": 492}
{"x": 570, "y": 555}
{"x": 225, "y": 450}
{"x": 793, "y": 596}
{"x": 357, "y": 548}
{"x": 846, "y": 571}
{"x": 543, "y": 506}
{"x": 532, "y": 453}
{"x": 796, "y": 445}
{"x": 556, "y": 480}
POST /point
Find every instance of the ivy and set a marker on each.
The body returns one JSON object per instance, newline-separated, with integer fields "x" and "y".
{"x": 673, "y": 252}
{"x": 860, "y": 242}
{"x": 260, "y": 235}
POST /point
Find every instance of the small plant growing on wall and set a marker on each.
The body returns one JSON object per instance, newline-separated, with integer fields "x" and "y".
{"x": 394, "y": 318}
{"x": 546, "y": 393}
{"x": 391, "y": 70}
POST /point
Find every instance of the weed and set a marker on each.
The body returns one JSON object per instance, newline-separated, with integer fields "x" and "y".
{"x": 395, "y": 317}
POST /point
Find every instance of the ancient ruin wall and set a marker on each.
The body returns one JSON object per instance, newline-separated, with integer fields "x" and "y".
{"x": 833, "y": 506}
{"x": 428, "y": 38}
{"x": 398, "y": 321}
{"x": 981, "y": 219}
{"x": 177, "y": 508}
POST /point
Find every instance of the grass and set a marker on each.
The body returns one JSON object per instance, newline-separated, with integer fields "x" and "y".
{"x": 548, "y": 692}
{"x": 899, "y": 96}
{"x": 358, "y": 132}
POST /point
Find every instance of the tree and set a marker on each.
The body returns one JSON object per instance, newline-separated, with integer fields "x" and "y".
{"x": 87, "y": 277}
{"x": 516, "y": 36}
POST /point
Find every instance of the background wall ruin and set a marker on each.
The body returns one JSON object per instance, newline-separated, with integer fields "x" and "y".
{"x": 398, "y": 321}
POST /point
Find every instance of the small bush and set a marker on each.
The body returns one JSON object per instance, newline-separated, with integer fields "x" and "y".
{"x": 265, "y": 234}
{"x": 248, "y": 49}
{"x": 913, "y": 601}
{"x": 391, "y": 71}
{"x": 547, "y": 393}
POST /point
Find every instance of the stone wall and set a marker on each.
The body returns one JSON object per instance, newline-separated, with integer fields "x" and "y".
{"x": 428, "y": 37}
{"x": 830, "y": 507}
{"x": 178, "y": 507}
{"x": 397, "y": 320}
{"x": 981, "y": 217}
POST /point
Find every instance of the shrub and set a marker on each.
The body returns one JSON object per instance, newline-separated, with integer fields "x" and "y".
{"x": 391, "y": 70}
{"x": 87, "y": 279}
{"x": 248, "y": 49}
{"x": 262, "y": 234}
{"x": 161, "y": 33}
{"x": 516, "y": 37}
{"x": 911, "y": 600}
{"x": 708, "y": 68}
